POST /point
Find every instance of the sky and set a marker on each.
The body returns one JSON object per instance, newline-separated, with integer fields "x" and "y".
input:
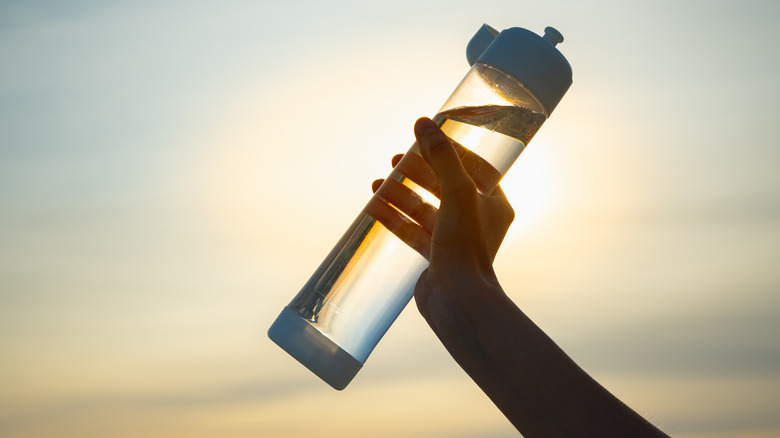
{"x": 171, "y": 173}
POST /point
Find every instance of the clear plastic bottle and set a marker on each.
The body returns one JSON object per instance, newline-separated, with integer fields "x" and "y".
{"x": 332, "y": 325}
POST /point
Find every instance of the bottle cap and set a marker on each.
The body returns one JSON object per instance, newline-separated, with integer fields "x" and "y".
{"x": 531, "y": 59}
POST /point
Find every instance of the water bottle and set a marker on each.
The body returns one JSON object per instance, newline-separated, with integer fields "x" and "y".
{"x": 516, "y": 80}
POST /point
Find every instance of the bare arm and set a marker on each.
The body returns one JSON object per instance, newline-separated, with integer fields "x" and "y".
{"x": 529, "y": 378}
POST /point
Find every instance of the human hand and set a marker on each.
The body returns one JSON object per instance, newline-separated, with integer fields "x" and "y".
{"x": 461, "y": 237}
{"x": 536, "y": 385}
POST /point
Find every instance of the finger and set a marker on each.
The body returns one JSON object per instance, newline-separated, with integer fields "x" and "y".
{"x": 408, "y": 202}
{"x": 485, "y": 176}
{"x": 440, "y": 154}
{"x": 497, "y": 192}
{"x": 402, "y": 227}
{"x": 504, "y": 206}
{"x": 413, "y": 166}
{"x": 376, "y": 184}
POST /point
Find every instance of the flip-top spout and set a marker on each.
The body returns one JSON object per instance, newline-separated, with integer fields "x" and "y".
{"x": 479, "y": 42}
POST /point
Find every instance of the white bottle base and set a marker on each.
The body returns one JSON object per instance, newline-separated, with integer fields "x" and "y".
{"x": 314, "y": 350}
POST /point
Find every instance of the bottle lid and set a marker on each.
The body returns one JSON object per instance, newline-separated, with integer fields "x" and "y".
{"x": 531, "y": 59}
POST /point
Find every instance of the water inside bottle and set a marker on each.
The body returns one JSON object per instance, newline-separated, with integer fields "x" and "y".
{"x": 496, "y": 133}
{"x": 368, "y": 278}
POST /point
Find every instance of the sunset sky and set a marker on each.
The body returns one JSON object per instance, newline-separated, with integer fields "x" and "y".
{"x": 171, "y": 173}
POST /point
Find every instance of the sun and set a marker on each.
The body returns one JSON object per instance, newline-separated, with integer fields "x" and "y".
{"x": 530, "y": 186}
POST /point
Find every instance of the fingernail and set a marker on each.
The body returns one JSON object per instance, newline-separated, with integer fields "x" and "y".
{"x": 424, "y": 126}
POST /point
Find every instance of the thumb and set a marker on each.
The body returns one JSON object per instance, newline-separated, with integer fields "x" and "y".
{"x": 438, "y": 151}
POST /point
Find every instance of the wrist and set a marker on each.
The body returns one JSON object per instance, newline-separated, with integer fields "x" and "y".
{"x": 456, "y": 301}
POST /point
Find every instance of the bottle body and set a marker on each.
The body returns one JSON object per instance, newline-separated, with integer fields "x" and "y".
{"x": 369, "y": 276}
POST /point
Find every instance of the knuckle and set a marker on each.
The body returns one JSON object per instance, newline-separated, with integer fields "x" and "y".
{"x": 510, "y": 213}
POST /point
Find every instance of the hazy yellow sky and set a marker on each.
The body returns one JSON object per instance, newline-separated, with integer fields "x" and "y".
{"x": 172, "y": 172}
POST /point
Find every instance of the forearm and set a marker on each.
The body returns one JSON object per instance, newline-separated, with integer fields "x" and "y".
{"x": 534, "y": 383}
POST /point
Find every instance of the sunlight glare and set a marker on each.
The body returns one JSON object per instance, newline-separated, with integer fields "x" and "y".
{"x": 530, "y": 187}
